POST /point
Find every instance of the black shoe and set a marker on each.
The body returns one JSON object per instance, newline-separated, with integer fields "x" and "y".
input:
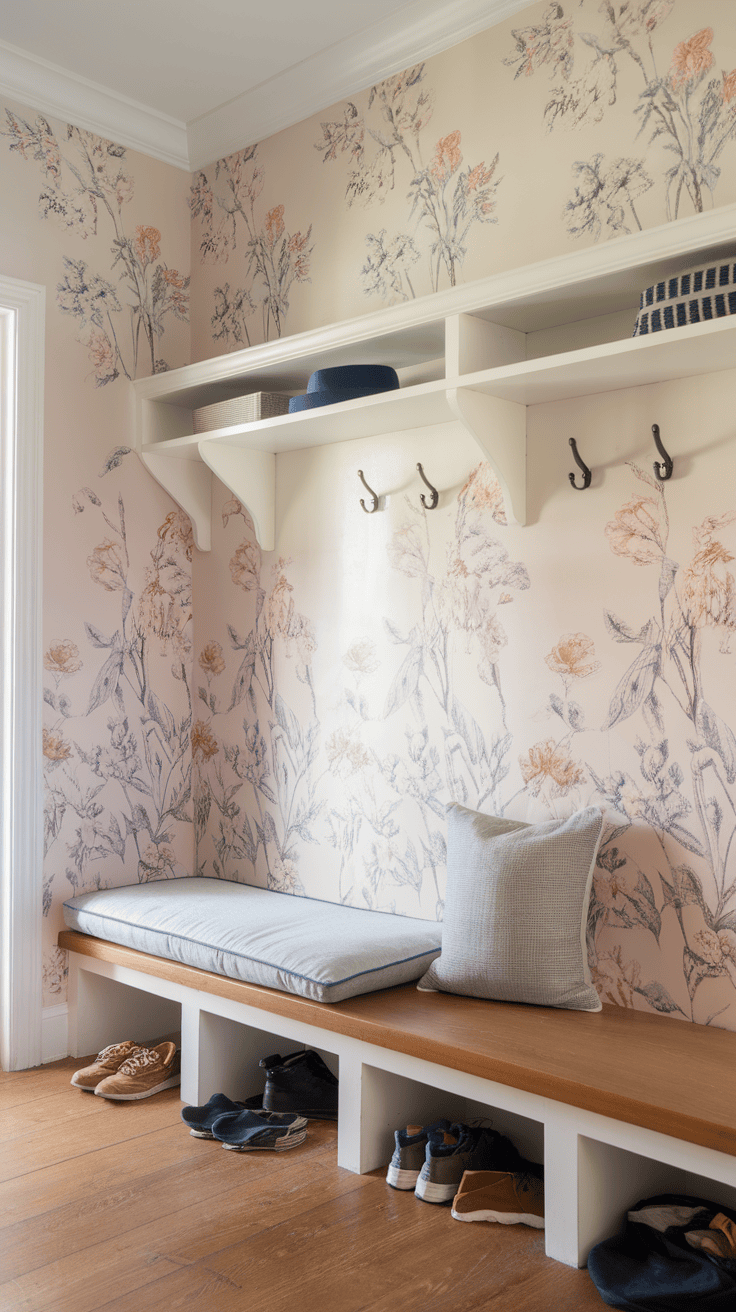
{"x": 300, "y": 1083}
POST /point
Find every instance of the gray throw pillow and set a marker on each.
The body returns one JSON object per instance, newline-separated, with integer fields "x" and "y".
{"x": 516, "y": 909}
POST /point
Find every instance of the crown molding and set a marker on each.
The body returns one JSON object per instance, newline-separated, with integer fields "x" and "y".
{"x": 416, "y": 32}
{"x": 60, "y": 94}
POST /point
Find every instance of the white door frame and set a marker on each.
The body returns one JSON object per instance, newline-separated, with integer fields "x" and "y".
{"x": 22, "y": 317}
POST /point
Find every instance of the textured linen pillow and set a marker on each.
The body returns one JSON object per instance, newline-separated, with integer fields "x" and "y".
{"x": 516, "y": 909}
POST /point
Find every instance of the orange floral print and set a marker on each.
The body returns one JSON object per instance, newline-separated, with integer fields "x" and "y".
{"x": 279, "y": 609}
{"x": 107, "y": 566}
{"x": 729, "y": 86}
{"x": 573, "y": 656}
{"x": 549, "y": 43}
{"x": 174, "y": 278}
{"x": 636, "y": 531}
{"x": 692, "y": 58}
{"x": 147, "y": 242}
{"x": 447, "y": 157}
{"x": 54, "y": 747}
{"x": 478, "y": 177}
{"x": 101, "y": 353}
{"x": 177, "y": 530}
{"x": 211, "y": 658}
{"x": 548, "y": 761}
{"x": 616, "y": 981}
{"x": 709, "y": 590}
{"x": 245, "y": 566}
{"x": 296, "y": 246}
{"x": 62, "y": 657}
{"x": 483, "y": 492}
{"x": 275, "y": 224}
{"x": 204, "y": 744}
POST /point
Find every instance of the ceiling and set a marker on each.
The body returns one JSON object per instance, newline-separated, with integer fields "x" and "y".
{"x": 189, "y": 82}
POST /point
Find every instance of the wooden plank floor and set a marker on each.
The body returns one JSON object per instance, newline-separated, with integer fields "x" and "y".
{"x": 116, "y": 1206}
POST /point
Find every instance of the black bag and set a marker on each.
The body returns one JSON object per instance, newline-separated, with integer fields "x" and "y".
{"x": 651, "y": 1267}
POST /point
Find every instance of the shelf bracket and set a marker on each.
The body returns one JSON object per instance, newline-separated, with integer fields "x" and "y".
{"x": 251, "y": 477}
{"x": 190, "y": 485}
{"x": 499, "y": 428}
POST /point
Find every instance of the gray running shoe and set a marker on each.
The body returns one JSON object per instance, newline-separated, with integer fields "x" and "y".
{"x": 410, "y": 1152}
{"x": 462, "y": 1148}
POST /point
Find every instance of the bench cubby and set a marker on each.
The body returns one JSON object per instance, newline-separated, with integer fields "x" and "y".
{"x": 617, "y": 1104}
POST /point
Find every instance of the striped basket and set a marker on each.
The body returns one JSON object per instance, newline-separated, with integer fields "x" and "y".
{"x": 239, "y": 410}
{"x": 707, "y": 292}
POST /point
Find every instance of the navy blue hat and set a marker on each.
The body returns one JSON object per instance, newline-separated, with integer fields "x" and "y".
{"x": 344, "y": 383}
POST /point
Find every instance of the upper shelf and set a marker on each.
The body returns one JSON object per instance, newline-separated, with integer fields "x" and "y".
{"x": 682, "y": 353}
{"x": 548, "y": 332}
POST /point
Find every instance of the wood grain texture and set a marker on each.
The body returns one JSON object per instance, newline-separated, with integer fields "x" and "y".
{"x": 133, "y": 1227}
{"x": 648, "y": 1070}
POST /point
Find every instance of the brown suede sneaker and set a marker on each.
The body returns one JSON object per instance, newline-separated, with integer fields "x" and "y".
{"x": 503, "y": 1196}
{"x": 107, "y": 1063}
{"x": 144, "y": 1072}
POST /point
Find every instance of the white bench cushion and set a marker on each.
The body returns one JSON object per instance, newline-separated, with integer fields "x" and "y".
{"x": 322, "y": 950}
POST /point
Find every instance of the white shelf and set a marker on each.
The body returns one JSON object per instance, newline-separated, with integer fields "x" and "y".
{"x": 448, "y": 334}
{"x": 686, "y": 352}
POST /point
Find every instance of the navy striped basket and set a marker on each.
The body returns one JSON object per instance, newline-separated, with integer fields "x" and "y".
{"x": 707, "y": 292}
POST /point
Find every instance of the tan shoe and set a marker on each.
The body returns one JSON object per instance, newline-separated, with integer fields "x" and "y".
{"x": 107, "y": 1063}
{"x": 145, "y": 1072}
{"x": 511, "y": 1199}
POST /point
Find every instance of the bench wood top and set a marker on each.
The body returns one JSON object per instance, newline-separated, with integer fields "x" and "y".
{"x": 644, "y": 1069}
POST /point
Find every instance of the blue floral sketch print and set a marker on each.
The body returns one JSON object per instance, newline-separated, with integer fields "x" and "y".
{"x": 84, "y": 186}
{"x": 688, "y": 108}
{"x": 445, "y": 200}
{"x": 134, "y": 791}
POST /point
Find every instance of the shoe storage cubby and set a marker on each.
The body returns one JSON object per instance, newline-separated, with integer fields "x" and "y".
{"x": 596, "y": 1167}
{"x": 612, "y": 1180}
{"x": 230, "y": 1052}
{"x": 103, "y": 1010}
{"x": 392, "y": 1101}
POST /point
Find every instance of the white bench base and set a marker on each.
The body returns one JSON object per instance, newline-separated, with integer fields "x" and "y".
{"x": 595, "y": 1167}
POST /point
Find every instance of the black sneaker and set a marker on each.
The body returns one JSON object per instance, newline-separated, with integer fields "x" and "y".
{"x": 300, "y": 1083}
{"x": 459, "y": 1149}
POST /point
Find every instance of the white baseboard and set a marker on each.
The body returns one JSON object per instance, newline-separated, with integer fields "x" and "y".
{"x": 55, "y": 1032}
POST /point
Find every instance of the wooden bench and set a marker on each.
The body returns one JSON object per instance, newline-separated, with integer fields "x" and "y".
{"x": 618, "y": 1104}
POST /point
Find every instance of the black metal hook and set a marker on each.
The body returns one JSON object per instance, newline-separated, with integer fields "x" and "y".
{"x": 579, "y": 487}
{"x": 374, "y": 507}
{"x": 429, "y": 504}
{"x": 662, "y": 471}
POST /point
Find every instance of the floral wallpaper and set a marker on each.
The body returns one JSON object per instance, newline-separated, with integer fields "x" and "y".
{"x": 445, "y": 199}
{"x": 273, "y": 259}
{"x": 120, "y": 321}
{"x": 300, "y": 719}
{"x": 569, "y": 124}
{"x": 327, "y": 772}
{"x": 87, "y": 218}
{"x": 686, "y": 106}
{"x": 373, "y": 668}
